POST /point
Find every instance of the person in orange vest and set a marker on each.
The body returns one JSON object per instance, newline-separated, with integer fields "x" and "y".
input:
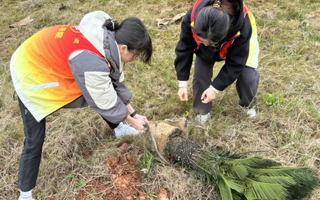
{"x": 218, "y": 30}
{"x": 68, "y": 66}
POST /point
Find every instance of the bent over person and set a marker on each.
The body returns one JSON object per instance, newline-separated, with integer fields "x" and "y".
{"x": 217, "y": 30}
{"x": 74, "y": 66}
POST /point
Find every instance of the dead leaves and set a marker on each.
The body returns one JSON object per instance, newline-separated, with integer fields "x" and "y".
{"x": 28, "y": 19}
{"x": 22, "y": 22}
{"x": 168, "y": 21}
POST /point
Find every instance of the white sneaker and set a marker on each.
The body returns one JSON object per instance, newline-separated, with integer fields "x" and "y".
{"x": 124, "y": 130}
{"x": 26, "y": 195}
{"x": 202, "y": 119}
{"x": 26, "y": 198}
{"x": 251, "y": 112}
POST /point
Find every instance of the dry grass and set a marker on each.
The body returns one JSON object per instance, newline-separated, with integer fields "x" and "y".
{"x": 288, "y": 132}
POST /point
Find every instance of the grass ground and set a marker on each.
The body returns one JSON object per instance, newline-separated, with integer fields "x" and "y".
{"x": 78, "y": 142}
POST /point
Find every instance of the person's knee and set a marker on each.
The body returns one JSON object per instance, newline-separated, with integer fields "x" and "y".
{"x": 199, "y": 81}
{"x": 249, "y": 77}
{"x": 202, "y": 75}
{"x": 203, "y": 70}
{"x": 33, "y": 147}
{"x": 33, "y": 151}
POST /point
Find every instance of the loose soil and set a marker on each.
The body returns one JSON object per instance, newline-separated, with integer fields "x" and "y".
{"x": 181, "y": 150}
{"x": 125, "y": 182}
{"x": 125, "y": 179}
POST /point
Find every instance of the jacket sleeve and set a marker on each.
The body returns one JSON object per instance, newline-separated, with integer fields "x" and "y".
{"x": 91, "y": 73}
{"x": 237, "y": 57}
{"x": 184, "y": 49}
{"x": 122, "y": 90}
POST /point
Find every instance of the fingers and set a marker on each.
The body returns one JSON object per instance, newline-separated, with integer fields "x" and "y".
{"x": 183, "y": 98}
{"x": 203, "y": 97}
{"x": 180, "y": 96}
{"x": 207, "y": 100}
{"x": 183, "y": 94}
{"x": 207, "y": 96}
{"x": 140, "y": 127}
{"x": 137, "y": 123}
{"x": 145, "y": 120}
{"x": 142, "y": 121}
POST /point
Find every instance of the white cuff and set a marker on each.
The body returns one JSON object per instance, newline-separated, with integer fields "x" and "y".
{"x": 183, "y": 84}
{"x": 214, "y": 89}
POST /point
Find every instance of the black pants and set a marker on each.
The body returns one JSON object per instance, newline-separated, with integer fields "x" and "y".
{"x": 247, "y": 85}
{"x": 31, "y": 155}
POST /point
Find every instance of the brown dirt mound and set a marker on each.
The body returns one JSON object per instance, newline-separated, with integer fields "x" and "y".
{"x": 94, "y": 188}
{"x": 125, "y": 179}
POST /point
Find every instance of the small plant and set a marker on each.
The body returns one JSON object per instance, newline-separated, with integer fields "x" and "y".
{"x": 186, "y": 114}
{"x": 41, "y": 195}
{"x": 152, "y": 197}
{"x": 146, "y": 162}
{"x": 70, "y": 177}
{"x": 274, "y": 99}
{"x": 81, "y": 184}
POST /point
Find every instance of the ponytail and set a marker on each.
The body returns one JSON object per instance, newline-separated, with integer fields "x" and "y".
{"x": 213, "y": 21}
{"x": 111, "y": 24}
{"x": 133, "y": 33}
{"x": 232, "y": 7}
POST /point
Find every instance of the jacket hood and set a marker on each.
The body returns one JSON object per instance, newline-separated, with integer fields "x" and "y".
{"x": 91, "y": 26}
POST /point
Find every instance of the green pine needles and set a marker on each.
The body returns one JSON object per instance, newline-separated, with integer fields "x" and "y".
{"x": 240, "y": 178}
{"x": 254, "y": 178}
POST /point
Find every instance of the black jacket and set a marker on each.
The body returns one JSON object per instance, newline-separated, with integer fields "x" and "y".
{"x": 237, "y": 53}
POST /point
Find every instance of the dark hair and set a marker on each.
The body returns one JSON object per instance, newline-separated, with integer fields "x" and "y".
{"x": 213, "y": 22}
{"x": 133, "y": 33}
{"x": 232, "y": 7}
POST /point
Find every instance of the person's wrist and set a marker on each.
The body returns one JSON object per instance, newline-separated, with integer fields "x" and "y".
{"x": 131, "y": 121}
{"x": 183, "y": 84}
{"x": 133, "y": 114}
{"x": 214, "y": 89}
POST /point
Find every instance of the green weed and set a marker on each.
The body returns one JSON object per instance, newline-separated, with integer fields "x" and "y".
{"x": 146, "y": 162}
{"x": 274, "y": 99}
{"x": 80, "y": 184}
{"x": 70, "y": 177}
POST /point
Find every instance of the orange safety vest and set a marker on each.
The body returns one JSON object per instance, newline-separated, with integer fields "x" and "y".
{"x": 40, "y": 71}
{"x": 224, "y": 47}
